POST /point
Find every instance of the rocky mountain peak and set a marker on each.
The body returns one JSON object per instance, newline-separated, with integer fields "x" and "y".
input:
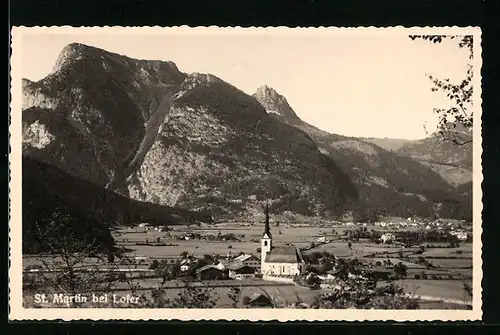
{"x": 195, "y": 79}
{"x": 274, "y": 103}
{"x": 72, "y": 52}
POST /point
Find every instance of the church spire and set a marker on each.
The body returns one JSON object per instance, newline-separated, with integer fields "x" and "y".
{"x": 267, "y": 229}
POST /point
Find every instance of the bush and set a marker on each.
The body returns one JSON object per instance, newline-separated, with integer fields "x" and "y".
{"x": 424, "y": 275}
{"x": 400, "y": 270}
{"x": 246, "y": 300}
{"x": 154, "y": 265}
{"x": 417, "y": 276}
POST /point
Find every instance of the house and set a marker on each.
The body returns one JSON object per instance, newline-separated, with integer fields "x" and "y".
{"x": 140, "y": 259}
{"x": 461, "y": 235}
{"x": 388, "y": 238}
{"x": 279, "y": 261}
{"x": 322, "y": 239}
{"x": 185, "y": 264}
{"x": 210, "y": 272}
{"x": 220, "y": 266}
{"x": 249, "y": 260}
{"x": 260, "y": 300}
{"x": 238, "y": 270}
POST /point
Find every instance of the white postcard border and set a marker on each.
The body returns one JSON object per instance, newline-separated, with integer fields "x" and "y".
{"x": 18, "y": 312}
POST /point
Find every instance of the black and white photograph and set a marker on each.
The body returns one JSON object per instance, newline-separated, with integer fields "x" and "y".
{"x": 246, "y": 173}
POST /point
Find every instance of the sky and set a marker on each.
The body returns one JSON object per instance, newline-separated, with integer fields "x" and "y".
{"x": 355, "y": 85}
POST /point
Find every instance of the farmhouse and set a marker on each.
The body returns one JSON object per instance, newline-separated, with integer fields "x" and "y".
{"x": 210, "y": 272}
{"x": 238, "y": 270}
{"x": 279, "y": 261}
{"x": 249, "y": 260}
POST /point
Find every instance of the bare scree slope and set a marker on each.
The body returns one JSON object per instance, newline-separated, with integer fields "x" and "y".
{"x": 151, "y": 133}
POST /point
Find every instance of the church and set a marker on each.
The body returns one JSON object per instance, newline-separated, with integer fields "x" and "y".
{"x": 279, "y": 261}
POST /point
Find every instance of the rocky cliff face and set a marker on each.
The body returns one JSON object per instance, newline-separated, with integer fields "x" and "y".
{"x": 389, "y": 183}
{"x": 153, "y": 133}
{"x": 94, "y": 108}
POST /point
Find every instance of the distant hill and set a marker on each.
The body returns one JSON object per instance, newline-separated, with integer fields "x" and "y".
{"x": 389, "y": 144}
{"x": 451, "y": 161}
{"x": 387, "y": 182}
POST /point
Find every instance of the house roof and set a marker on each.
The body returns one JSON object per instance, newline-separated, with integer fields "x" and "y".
{"x": 207, "y": 267}
{"x": 235, "y": 265}
{"x": 260, "y": 296}
{"x": 284, "y": 255}
{"x": 244, "y": 257}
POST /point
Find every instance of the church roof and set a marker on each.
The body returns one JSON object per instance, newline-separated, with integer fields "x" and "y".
{"x": 284, "y": 255}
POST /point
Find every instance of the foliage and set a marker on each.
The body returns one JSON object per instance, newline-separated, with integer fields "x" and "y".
{"x": 363, "y": 294}
{"x": 459, "y": 93}
{"x": 235, "y": 295}
{"x": 74, "y": 265}
{"x": 400, "y": 270}
{"x": 246, "y": 300}
{"x": 191, "y": 296}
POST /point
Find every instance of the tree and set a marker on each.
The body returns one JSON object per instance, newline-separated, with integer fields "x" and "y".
{"x": 168, "y": 271}
{"x": 467, "y": 289}
{"x": 362, "y": 294}
{"x": 246, "y": 300}
{"x": 460, "y": 114}
{"x": 69, "y": 269}
{"x": 400, "y": 270}
{"x": 184, "y": 254}
{"x": 324, "y": 268}
{"x": 191, "y": 296}
{"x": 154, "y": 265}
{"x": 234, "y": 294}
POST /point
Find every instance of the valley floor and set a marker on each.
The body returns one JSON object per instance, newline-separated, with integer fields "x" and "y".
{"x": 446, "y": 292}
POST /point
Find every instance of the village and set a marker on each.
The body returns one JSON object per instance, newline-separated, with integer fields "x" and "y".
{"x": 432, "y": 260}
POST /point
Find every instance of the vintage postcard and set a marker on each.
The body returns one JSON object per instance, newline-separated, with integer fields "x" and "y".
{"x": 205, "y": 173}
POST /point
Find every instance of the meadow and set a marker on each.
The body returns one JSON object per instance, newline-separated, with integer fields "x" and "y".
{"x": 451, "y": 267}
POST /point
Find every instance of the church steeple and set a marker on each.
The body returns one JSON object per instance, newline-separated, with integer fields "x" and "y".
{"x": 267, "y": 230}
{"x": 266, "y": 242}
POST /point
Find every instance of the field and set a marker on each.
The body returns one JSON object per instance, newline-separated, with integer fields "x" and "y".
{"x": 451, "y": 267}
{"x": 248, "y": 234}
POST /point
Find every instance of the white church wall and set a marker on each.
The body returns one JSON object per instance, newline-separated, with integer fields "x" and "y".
{"x": 278, "y": 279}
{"x": 281, "y": 269}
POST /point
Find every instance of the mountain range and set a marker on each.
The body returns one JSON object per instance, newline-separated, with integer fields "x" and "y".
{"x": 146, "y": 131}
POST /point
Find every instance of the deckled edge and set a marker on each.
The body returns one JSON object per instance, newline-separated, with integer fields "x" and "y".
{"x": 96, "y": 314}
